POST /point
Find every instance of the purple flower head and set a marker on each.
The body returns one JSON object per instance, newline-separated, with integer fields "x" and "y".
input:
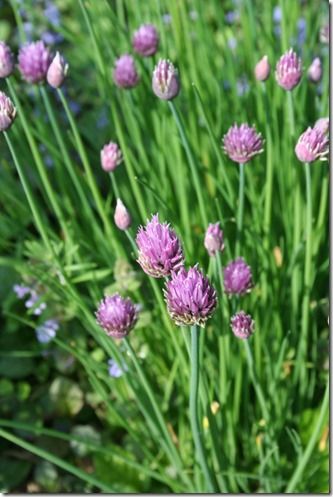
{"x": 237, "y": 277}
{"x": 262, "y": 69}
{"x": 241, "y": 143}
{"x": 111, "y": 157}
{"x": 313, "y": 144}
{"x": 125, "y": 74}
{"x": 47, "y": 331}
{"x": 214, "y": 239}
{"x": 7, "y": 112}
{"x": 122, "y": 217}
{"x": 323, "y": 124}
{"x": 116, "y": 315}
{"x": 160, "y": 251}
{"x": 190, "y": 297}
{"x": 288, "y": 71}
{"x": 116, "y": 371}
{"x": 242, "y": 325}
{"x": 34, "y": 60}
{"x": 145, "y": 40}
{"x": 57, "y": 71}
{"x": 6, "y": 60}
{"x": 315, "y": 71}
{"x": 165, "y": 80}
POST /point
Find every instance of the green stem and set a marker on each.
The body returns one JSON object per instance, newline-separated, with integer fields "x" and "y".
{"x": 291, "y": 113}
{"x": 194, "y": 418}
{"x": 114, "y": 185}
{"x": 300, "y": 360}
{"x": 240, "y": 213}
{"x": 311, "y": 444}
{"x": 189, "y": 155}
{"x": 255, "y": 382}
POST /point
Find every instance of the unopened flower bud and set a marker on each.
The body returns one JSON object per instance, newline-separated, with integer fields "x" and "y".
{"x": 6, "y": 60}
{"x": 165, "y": 80}
{"x": 315, "y": 71}
{"x": 7, "y": 112}
{"x": 122, "y": 217}
{"x": 262, "y": 69}
{"x": 57, "y": 71}
{"x": 111, "y": 157}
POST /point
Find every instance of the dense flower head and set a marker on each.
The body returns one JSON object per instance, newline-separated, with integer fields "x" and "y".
{"x": 146, "y": 40}
{"x": 323, "y": 124}
{"x": 165, "y": 80}
{"x": 160, "y": 251}
{"x": 190, "y": 297}
{"x": 57, "y": 71}
{"x": 122, "y": 217}
{"x": 288, "y": 70}
{"x": 262, "y": 69}
{"x": 116, "y": 315}
{"x": 315, "y": 70}
{"x": 111, "y": 156}
{"x": 125, "y": 74}
{"x": 7, "y": 112}
{"x": 237, "y": 277}
{"x": 241, "y": 143}
{"x": 6, "y": 60}
{"x": 242, "y": 325}
{"x": 214, "y": 239}
{"x": 313, "y": 144}
{"x": 34, "y": 60}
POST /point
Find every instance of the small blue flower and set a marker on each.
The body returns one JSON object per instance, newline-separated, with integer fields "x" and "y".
{"x": 52, "y": 14}
{"x": 277, "y": 14}
{"x": 114, "y": 370}
{"x": 21, "y": 291}
{"x": 47, "y": 331}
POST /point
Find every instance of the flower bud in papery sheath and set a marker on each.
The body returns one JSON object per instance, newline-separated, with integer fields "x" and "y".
{"x": 111, "y": 157}
{"x": 125, "y": 74}
{"x": 315, "y": 71}
{"x": 323, "y": 125}
{"x": 145, "y": 40}
{"x": 7, "y": 112}
{"x": 241, "y": 143}
{"x": 165, "y": 80}
{"x": 214, "y": 239}
{"x": 237, "y": 277}
{"x": 122, "y": 217}
{"x": 57, "y": 71}
{"x": 313, "y": 144}
{"x": 34, "y": 60}
{"x": 262, "y": 69}
{"x": 288, "y": 70}
{"x": 159, "y": 249}
{"x": 6, "y": 60}
{"x": 190, "y": 297}
{"x": 242, "y": 325}
{"x": 117, "y": 316}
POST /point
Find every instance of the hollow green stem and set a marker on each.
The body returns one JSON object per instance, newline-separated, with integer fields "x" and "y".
{"x": 192, "y": 164}
{"x": 194, "y": 418}
{"x": 240, "y": 213}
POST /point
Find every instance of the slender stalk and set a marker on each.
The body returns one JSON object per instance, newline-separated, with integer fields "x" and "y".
{"x": 114, "y": 185}
{"x": 300, "y": 359}
{"x": 194, "y": 418}
{"x": 310, "y": 446}
{"x": 240, "y": 213}
{"x": 291, "y": 113}
{"x": 192, "y": 164}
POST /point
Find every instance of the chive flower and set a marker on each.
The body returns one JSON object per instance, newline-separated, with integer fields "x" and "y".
{"x": 313, "y": 144}
{"x": 111, "y": 157}
{"x": 165, "y": 82}
{"x": 288, "y": 70}
{"x": 34, "y": 60}
{"x": 190, "y": 297}
{"x": 7, "y": 112}
{"x": 323, "y": 124}
{"x": 145, "y": 40}
{"x": 237, "y": 277}
{"x": 122, "y": 217}
{"x": 125, "y": 74}
{"x": 57, "y": 71}
{"x": 242, "y": 325}
{"x": 159, "y": 249}
{"x": 117, "y": 316}
{"x": 214, "y": 239}
{"x": 315, "y": 70}
{"x": 242, "y": 143}
{"x": 6, "y": 60}
{"x": 262, "y": 69}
